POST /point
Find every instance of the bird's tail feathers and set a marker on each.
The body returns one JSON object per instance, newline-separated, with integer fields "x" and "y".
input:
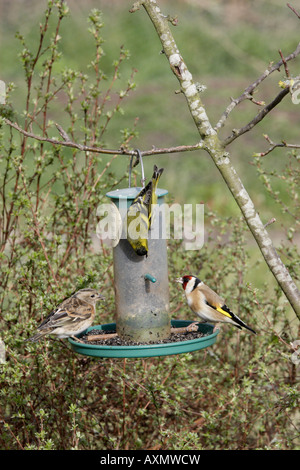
{"x": 240, "y": 323}
{"x": 36, "y": 337}
{"x": 156, "y": 175}
{"x": 235, "y": 319}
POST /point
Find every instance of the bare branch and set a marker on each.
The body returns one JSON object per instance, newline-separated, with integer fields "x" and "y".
{"x": 259, "y": 117}
{"x": 271, "y": 221}
{"x": 274, "y": 146}
{"x": 293, "y": 9}
{"x": 287, "y": 72}
{"x": 86, "y": 148}
{"x": 250, "y": 89}
{"x": 63, "y": 133}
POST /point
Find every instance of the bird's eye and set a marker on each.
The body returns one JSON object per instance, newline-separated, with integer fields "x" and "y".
{"x": 93, "y": 295}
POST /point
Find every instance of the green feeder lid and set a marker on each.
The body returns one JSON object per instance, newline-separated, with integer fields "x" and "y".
{"x": 131, "y": 193}
{"x": 146, "y": 350}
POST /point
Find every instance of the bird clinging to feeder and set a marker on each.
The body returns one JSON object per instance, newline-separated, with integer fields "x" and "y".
{"x": 140, "y": 281}
{"x": 139, "y": 215}
{"x": 207, "y": 304}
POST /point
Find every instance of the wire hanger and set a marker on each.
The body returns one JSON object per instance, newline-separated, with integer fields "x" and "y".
{"x": 139, "y": 160}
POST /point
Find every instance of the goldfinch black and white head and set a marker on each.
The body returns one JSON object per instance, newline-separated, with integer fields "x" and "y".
{"x": 207, "y": 304}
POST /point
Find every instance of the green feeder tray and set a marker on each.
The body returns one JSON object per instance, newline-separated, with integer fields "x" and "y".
{"x": 146, "y": 350}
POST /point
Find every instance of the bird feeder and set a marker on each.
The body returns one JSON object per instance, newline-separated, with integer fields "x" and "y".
{"x": 142, "y": 292}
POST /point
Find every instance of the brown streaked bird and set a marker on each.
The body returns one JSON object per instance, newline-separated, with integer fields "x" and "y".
{"x": 207, "y": 304}
{"x": 70, "y": 317}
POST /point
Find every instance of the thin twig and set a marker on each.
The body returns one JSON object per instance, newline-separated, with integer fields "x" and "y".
{"x": 287, "y": 72}
{"x": 63, "y": 133}
{"x": 100, "y": 337}
{"x": 274, "y": 146}
{"x": 271, "y": 221}
{"x": 293, "y": 9}
{"x": 259, "y": 117}
{"x": 250, "y": 89}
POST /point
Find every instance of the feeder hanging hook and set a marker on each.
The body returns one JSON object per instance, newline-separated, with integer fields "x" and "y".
{"x": 139, "y": 160}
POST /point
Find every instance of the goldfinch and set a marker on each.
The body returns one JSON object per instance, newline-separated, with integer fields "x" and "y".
{"x": 71, "y": 317}
{"x": 139, "y": 215}
{"x": 207, "y": 304}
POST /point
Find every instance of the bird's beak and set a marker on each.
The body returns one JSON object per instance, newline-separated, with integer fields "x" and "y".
{"x": 101, "y": 297}
{"x": 179, "y": 279}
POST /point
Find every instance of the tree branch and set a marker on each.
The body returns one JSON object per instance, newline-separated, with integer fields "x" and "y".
{"x": 274, "y": 146}
{"x": 221, "y": 158}
{"x": 293, "y": 9}
{"x": 86, "y": 148}
{"x": 259, "y": 117}
{"x": 250, "y": 89}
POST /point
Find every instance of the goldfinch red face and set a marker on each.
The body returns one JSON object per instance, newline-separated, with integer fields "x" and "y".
{"x": 188, "y": 283}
